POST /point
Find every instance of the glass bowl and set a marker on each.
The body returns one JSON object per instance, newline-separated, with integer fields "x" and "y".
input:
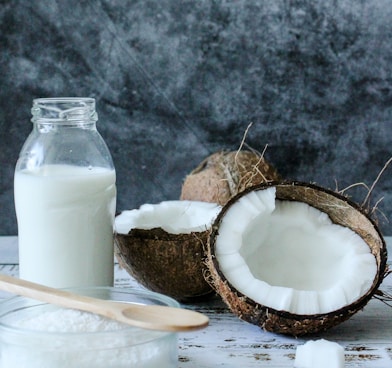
{"x": 35, "y": 334}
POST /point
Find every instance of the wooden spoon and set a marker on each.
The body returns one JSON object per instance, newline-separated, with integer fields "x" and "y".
{"x": 153, "y": 317}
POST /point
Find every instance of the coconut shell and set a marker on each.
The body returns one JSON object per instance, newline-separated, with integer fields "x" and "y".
{"x": 170, "y": 264}
{"x": 342, "y": 211}
{"x": 224, "y": 174}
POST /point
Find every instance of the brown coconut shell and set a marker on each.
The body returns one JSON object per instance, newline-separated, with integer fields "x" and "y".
{"x": 170, "y": 264}
{"x": 224, "y": 174}
{"x": 342, "y": 211}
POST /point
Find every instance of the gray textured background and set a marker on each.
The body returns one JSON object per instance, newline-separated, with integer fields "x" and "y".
{"x": 177, "y": 80}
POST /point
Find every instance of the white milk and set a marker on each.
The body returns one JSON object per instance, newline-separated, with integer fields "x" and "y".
{"x": 65, "y": 225}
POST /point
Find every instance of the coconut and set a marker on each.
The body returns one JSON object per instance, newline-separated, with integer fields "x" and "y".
{"x": 224, "y": 174}
{"x": 295, "y": 258}
{"x": 162, "y": 246}
{"x": 319, "y": 353}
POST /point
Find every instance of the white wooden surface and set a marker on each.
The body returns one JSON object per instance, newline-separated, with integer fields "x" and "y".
{"x": 230, "y": 342}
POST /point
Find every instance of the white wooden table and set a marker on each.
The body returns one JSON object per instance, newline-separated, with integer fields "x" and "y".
{"x": 230, "y": 342}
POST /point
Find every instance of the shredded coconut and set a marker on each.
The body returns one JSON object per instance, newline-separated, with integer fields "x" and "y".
{"x": 65, "y": 338}
{"x": 68, "y": 320}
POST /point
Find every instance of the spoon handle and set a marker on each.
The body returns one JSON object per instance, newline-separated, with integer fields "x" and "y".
{"x": 49, "y": 295}
{"x": 155, "y": 317}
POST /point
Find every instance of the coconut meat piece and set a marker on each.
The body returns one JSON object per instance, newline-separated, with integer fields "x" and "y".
{"x": 319, "y": 354}
{"x": 289, "y": 256}
{"x": 175, "y": 217}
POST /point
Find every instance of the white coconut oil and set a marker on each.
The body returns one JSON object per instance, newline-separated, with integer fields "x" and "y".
{"x": 63, "y": 338}
{"x": 65, "y": 221}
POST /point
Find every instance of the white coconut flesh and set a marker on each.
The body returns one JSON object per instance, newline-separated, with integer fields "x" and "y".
{"x": 175, "y": 217}
{"x": 289, "y": 256}
{"x": 319, "y": 353}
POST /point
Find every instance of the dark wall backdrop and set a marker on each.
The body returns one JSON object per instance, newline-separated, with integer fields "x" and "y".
{"x": 177, "y": 80}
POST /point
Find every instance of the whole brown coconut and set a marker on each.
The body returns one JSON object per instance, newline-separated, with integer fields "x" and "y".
{"x": 224, "y": 174}
{"x": 341, "y": 211}
{"x": 163, "y": 245}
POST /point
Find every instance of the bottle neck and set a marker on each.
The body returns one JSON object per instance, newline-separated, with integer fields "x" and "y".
{"x": 53, "y": 112}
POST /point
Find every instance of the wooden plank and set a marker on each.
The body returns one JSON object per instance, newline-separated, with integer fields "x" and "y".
{"x": 229, "y": 342}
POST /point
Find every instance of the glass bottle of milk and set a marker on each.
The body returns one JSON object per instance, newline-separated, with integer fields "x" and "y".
{"x": 65, "y": 197}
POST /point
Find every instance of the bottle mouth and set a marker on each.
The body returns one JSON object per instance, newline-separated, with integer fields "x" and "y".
{"x": 64, "y": 110}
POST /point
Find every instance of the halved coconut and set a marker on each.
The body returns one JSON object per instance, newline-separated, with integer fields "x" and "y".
{"x": 295, "y": 258}
{"x": 224, "y": 174}
{"x": 162, "y": 246}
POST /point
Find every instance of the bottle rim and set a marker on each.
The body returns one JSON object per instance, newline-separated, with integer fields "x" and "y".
{"x": 66, "y": 110}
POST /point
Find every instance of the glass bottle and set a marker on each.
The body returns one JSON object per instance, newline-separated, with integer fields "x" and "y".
{"x": 65, "y": 197}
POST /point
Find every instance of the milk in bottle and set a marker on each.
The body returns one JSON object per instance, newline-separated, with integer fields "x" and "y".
{"x": 65, "y": 197}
